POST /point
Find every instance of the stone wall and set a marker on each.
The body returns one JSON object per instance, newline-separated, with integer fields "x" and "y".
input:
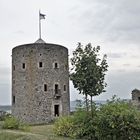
{"x": 136, "y": 95}
{"x": 136, "y": 98}
{"x": 36, "y": 70}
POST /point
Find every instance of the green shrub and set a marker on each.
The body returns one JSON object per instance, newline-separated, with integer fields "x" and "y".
{"x": 11, "y": 122}
{"x": 80, "y": 125}
{"x": 83, "y": 124}
{"x": 64, "y": 126}
{"x": 118, "y": 120}
{"x": 115, "y": 120}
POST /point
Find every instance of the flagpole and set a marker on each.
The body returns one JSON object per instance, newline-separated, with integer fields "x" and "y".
{"x": 39, "y": 26}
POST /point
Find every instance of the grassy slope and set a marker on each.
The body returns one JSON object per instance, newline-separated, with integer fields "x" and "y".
{"x": 41, "y": 132}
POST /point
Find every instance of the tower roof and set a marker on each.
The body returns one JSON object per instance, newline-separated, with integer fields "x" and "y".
{"x": 40, "y": 41}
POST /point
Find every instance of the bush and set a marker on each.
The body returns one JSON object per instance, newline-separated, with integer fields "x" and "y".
{"x": 118, "y": 120}
{"x": 64, "y": 126}
{"x": 115, "y": 120}
{"x": 83, "y": 124}
{"x": 11, "y": 122}
{"x": 80, "y": 125}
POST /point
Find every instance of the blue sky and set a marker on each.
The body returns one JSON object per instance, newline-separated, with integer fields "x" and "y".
{"x": 112, "y": 24}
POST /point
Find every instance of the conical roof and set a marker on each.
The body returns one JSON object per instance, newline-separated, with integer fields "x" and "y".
{"x": 40, "y": 41}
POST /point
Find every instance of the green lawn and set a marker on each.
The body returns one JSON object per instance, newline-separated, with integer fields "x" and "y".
{"x": 40, "y": 132}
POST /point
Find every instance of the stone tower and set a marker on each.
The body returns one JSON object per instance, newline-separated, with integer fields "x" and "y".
{"x": 40, "y": 82}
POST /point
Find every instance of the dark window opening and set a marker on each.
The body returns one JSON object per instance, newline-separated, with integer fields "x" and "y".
{"x": 23, "y": 65}
{"x": 45, "y": 87}
{"x": 40, "y": 64}
{"x": 64, "y": 87}
{"x": 13, "y": 99}
{"x": 139, "y": 99}
{"x": 56, "y": 88}
{"x": 56, "y": 110}
{"x": 55, "y": 65}
{"x": 14, "y": 67}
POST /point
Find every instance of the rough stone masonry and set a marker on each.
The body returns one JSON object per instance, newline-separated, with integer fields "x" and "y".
{"x": 40, "y": 82}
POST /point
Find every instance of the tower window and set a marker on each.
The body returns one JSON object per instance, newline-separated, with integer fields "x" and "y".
{"x": 55, "y": 65}
{"x": 40, "y": 64}
{"x": 13, "y": 99}
{"x": 45, "y": 87}
{"x": 56, "y": 88}
{"x": 64, "y": 87}
{"x": 56, "y": 110}
{"x": 23, "y": 65}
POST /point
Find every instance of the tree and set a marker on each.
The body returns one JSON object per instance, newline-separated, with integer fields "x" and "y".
{"x": 88, "y": 71}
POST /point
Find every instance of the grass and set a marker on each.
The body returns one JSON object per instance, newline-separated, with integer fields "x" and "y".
{"x": 7, "y": 136}
{"x": 39, "y": 132}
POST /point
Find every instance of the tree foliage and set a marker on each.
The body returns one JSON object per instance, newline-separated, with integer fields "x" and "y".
{"x": 88, "y": 70}
{"x": 116, "y": 120}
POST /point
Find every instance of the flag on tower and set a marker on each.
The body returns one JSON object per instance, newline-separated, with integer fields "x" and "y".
{"x": 41, "y": 16}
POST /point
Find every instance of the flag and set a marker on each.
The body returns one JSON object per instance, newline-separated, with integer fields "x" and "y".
{"x": 41, "y": 16}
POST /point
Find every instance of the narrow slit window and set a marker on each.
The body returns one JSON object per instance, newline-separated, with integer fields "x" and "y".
{"x": 64, "y": 87}
{"x": 56, "y": 88}
{"x": 45, "y": 87}
{"x": 23, "y": 65}
{"x": 40, "y": 64}
{"x": 13, "y": 99}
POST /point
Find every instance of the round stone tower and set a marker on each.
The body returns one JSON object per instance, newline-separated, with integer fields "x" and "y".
{"x": 40, "y": 82}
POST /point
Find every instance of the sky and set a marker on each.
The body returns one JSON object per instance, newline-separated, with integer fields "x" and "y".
{"x": 112, "y": 24}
